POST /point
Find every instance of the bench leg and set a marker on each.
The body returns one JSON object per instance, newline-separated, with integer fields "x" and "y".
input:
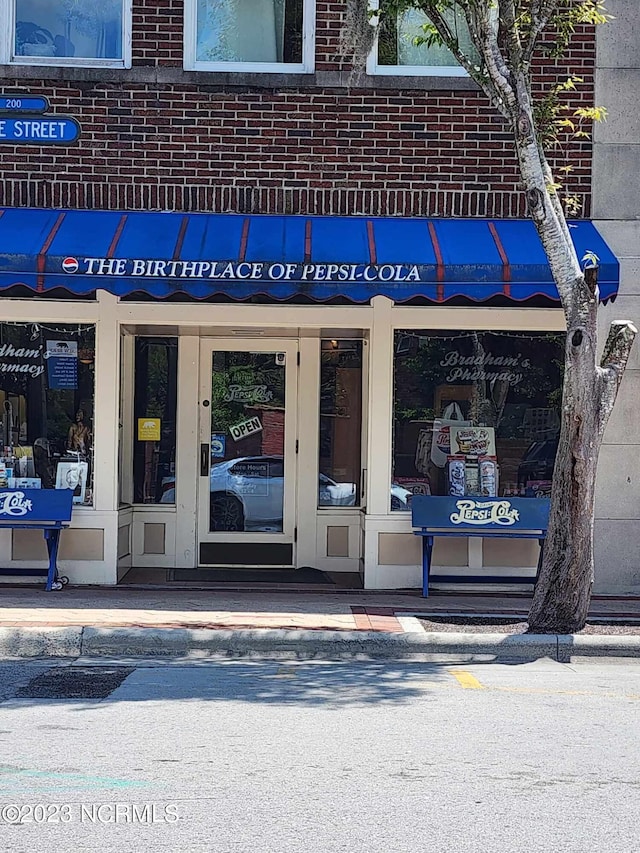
{"x": 427, "y": 550}
{"x": 52, "y": 538}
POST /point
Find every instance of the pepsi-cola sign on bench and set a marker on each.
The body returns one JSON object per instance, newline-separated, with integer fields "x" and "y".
{"x": 48, "y": 510}
{"x": 507, "y": 518}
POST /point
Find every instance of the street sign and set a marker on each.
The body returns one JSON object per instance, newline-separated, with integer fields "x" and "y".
{"x": 23, "y": 104}
{"x": 39, "y": 130}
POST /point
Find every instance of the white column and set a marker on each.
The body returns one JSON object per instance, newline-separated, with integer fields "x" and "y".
{"x": 308, "y": 435}
{"x": 380, "y": 408}
{"x": 127, "y": 428}
{"x": 106, "y": 415}
{"x": 187, "y": 452}
{"x": 106, "y": 419}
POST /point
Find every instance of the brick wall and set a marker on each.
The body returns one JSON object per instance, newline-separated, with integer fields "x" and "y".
{"x": 305, "y": 148}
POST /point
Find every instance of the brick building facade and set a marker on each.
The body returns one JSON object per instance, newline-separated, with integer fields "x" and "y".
{"x": 247, "y": 263}
{"x": 335, "y": 141}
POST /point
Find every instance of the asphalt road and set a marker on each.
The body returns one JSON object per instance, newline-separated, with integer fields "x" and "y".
{"x": 286, "y": 758}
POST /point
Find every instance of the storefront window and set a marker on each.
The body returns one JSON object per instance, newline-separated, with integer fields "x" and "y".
{"x": 476, "y": 413}
{"x": 250, "y": 31}
{"x": 47, "y": 405}
{"x": 64, "y": 29}
{"x": 340, "y": 423}
{"x": 155, "y": 403}
{"x": 403, "y": 40}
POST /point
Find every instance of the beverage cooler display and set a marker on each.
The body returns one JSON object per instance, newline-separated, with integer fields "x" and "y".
{"x": 472, "y": 467}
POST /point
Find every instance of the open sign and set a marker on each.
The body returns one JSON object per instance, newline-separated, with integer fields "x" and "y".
{"x": 245, "y": 428}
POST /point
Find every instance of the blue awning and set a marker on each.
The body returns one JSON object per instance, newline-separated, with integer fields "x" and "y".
{"x": 284, "y": 257}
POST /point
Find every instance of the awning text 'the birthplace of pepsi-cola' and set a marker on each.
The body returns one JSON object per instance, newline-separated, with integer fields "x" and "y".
{"x": 243, "y": 270}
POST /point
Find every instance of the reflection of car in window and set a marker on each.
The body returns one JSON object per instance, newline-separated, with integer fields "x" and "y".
{"x": 331, "y": 493}
{"x": 538, "y": 462}
{"x": 248, "y": 493}
{"x": 400, "y": 498}
{"x": 260, "y": 467}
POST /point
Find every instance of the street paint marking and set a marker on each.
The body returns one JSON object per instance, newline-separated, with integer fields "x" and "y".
{"x": 466, "y": 680}
{"x": 18, "y": 779}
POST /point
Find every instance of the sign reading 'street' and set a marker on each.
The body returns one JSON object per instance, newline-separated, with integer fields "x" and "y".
{"x": 39, "y": 130}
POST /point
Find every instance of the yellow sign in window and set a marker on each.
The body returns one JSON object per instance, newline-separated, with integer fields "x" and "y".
{"x": 148, "y": 429}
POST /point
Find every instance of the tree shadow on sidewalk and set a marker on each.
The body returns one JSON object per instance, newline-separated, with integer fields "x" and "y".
{"x": 332, "y": 684}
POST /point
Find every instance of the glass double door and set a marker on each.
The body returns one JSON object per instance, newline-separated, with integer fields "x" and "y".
{"x": 247, "y": 483}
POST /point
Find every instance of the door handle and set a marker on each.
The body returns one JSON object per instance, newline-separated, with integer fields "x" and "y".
{"x": 204, "y": 460}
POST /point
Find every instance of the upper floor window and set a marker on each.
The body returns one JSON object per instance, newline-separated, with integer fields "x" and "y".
{"x": 70, "y": 32}
{"x": 396, "y": 52}
{"x": 249, "y": 35}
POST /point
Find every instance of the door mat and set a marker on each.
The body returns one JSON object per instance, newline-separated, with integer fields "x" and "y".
{"x": 266, "y": 576}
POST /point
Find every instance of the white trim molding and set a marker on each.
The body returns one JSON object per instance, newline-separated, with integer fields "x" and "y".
{"x": 375, "y": 69}
{"x": 7, "y": 56}
{"x": 308, "y": 47}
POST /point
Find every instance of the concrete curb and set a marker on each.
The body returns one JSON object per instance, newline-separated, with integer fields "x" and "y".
{"x": 50, "y": 642}
{"x": 300, "y": 644}
{"x": 305, "y": 644}
{"x": 572, "y": 646}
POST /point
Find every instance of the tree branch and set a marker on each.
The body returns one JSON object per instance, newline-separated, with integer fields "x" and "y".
{"x": 614, "y": 360}
{"x": 507, "y": 13}
{"x": 483, "y": 21}
{"x": 541, "y": 12}
{"x": 486, "y": 83}
{"x": 553, "y": 197}
{"x": 618, "y": 346}
{"x": 591, "y": 281}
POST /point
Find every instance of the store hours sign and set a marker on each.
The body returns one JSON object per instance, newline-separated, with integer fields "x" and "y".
{"x": 62, "y": 364}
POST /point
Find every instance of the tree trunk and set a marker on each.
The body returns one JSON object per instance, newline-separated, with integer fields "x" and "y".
{"x": 563, "y": 592}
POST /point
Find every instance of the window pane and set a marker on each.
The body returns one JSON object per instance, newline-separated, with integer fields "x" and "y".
{"x": 249, "y": 31}
{"x": 340, "y": 423}
{"x": 155, "y": 400}
{"x": 461, "y": 399}
{"x": 46, "y": 405}
{"x": 85, "y": 29}
{"x": 246, "y": 479}
{"x": 397, "y": 36}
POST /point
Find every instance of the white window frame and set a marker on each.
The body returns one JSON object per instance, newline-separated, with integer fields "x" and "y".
{"x": 304, "y": 67}
{"x": 8, "y": 15}
{"x": 373, "y": 68}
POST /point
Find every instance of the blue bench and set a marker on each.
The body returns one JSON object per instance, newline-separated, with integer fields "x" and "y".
{"x": 498, "y": 518}
{"x": 48, "y": 510}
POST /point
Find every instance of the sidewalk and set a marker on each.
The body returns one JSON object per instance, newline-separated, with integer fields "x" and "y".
{"x": 116, "y": 621}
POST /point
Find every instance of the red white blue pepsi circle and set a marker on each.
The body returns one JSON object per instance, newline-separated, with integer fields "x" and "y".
{"x": 70, "y": 265}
